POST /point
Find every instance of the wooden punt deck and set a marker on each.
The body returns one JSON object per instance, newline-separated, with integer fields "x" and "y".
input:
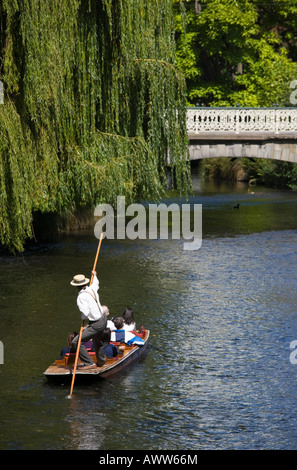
{"x": 62, "y": 368}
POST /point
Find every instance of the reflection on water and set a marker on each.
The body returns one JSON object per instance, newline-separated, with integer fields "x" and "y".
{"x": 217, "y": 373}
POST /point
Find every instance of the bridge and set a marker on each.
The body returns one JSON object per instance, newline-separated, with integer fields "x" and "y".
{"x": 243, "y": 132}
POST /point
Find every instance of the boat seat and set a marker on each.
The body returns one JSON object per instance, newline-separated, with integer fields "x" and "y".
{"x": 140, "y": 332}
{"x": 73, "y": 353}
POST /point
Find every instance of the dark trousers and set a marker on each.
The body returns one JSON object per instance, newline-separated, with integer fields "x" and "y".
{"x": 93, "y": 331}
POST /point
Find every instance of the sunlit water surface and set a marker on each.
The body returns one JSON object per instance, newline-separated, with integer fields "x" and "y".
{"x": 217, "y": 372}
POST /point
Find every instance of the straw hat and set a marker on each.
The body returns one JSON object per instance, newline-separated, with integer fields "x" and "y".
{"x": 79, "y": 280}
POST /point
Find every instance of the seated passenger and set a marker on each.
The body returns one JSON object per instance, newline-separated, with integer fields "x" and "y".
{"x": 123, "y": 336}
{"x": 68, "y": 348}
{"x": 110, "y": 350}
{"x": 129, "y": 322}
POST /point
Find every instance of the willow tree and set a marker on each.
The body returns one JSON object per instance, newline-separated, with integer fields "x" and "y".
{"x": 93, "y": 107}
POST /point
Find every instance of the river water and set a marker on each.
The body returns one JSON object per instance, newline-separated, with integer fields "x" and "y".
{"x": 218, "y": 372}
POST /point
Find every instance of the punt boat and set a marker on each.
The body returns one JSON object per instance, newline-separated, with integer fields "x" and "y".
{"x": 62, "y": 368}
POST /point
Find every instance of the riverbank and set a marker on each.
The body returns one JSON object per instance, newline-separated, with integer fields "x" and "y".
{"x": 273, "y": 173}
{"x": 49, "y": 226}
{"x": 52, "y": 227}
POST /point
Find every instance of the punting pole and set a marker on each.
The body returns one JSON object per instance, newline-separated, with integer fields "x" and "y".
{"x": 82, "y": 325}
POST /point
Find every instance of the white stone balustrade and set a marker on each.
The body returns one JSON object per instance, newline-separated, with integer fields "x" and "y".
{"x": 244, "y": 122}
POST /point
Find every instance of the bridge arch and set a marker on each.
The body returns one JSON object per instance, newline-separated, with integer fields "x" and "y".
{"x": 243, "y": 132}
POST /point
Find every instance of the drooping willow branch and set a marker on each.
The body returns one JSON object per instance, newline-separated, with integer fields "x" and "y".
{"x": 94, "y": 107}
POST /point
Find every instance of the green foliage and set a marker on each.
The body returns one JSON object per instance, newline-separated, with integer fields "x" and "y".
{"x": 17, "y": 185}
{"x": 93, "y": 107}
{"x": 272, "y": 173}
{"x": 237, "y": 52}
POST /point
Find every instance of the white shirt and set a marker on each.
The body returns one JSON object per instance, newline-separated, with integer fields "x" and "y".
{"x": 90, "y": 308}
{"x": 110, "y": 325}
{"x": 131, "y": 327}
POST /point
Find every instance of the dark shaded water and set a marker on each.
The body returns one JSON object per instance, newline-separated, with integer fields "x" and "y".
{"x": 217, "y": 374}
